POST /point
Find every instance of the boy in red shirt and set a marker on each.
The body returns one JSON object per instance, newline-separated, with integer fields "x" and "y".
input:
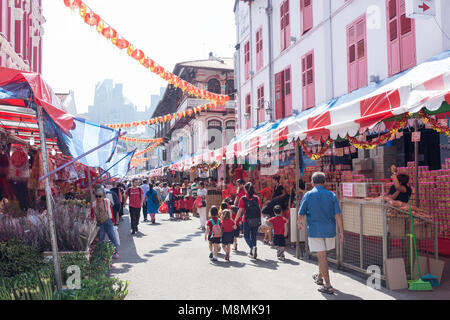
{"x": 228, "y": 227}
{"x": 280, "y": 231}
{"x": 213, "y": 233}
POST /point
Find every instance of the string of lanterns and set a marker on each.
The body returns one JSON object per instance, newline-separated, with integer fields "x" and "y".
{"x": 206, "y": 166}
{"x": 141, "y": 140}
{"x": 147, "y": 150}
{"x": 94, "y": 20}
{"x": 163, "y": 119}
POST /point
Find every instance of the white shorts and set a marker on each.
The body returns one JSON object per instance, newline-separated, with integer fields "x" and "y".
{"x": 321, "y": 244}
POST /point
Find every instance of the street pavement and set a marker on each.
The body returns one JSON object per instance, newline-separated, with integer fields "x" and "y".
{"x": 169, "y": 261}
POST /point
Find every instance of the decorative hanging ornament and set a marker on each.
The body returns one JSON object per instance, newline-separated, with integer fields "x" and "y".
{"x": 72, "y": 4}
{"x": 137, "y": 54}
{"x": 91, "y": 19}
{"x": 83, "y": 10}
{"x": 100, "y": 26}
{"x": 109, "y": 33}
{"x": 122, "y": 43}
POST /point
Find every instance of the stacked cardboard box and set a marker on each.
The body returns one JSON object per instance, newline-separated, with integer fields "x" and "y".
{"x": 434, "y": 194}
{"x": 384, "y": 157}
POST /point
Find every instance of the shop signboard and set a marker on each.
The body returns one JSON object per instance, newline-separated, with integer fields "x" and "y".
{"x": 420, "y": 9}
{"x": 415, "y": 137}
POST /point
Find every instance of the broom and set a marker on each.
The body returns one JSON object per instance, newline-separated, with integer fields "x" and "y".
{"x": 417, "y": 285}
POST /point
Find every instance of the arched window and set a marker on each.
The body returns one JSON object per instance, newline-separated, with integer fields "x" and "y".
{"x": 214, "y": 134}
{"x": 229, "y": 89}
{"x": 231, "y": 124}
{"x": 214, "y": 86}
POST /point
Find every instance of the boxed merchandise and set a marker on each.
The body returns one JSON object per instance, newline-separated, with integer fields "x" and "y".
{"x": 383, "y": 151}
{"x": 363, "y": 154}
{"x": 362, "y": 164}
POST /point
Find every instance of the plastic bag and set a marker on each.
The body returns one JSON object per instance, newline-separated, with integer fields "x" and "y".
{"x": 116, "y": 232}
{"x": 164, "y": 208}
{"x": 198, "y": 202}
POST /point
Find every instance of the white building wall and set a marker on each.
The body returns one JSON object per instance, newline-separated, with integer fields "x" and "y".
{"x": 330, "y": 62}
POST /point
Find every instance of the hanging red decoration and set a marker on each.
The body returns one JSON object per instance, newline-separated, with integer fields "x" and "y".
{"x": 72, "y": 4}
{"x": 122, "y": 43}
{"x": 109, "y": 33}
{"x": 91, "y": 19}
{"x": 137, "y": 54}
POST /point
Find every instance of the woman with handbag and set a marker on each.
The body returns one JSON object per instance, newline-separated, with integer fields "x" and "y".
{"x": 101, "y": 210}
{"x": 201, "y": 193}
{"x": 250, "y": 208}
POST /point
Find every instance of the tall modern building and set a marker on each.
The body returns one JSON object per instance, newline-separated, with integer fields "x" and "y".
{"x": 21, "y": 30}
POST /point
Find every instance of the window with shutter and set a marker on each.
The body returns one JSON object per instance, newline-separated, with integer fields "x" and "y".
{"x": 401, "y": 35}
{"x": 308, "y": 87}
{"x": 287, "y": 93}
{"x": 247, "y": 59}
{"x": 261, "y": 103}
{"x": 248, "y": 110}
{"x": 259, "y": 49}
{"x": 285, "y": 26}
{"x": 357, "y": 57}
{"x": 279, "y": 95}
{"x": 306, "y": 12}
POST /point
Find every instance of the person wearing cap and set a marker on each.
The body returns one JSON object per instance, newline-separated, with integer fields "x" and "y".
{"x": 101, "y": 211}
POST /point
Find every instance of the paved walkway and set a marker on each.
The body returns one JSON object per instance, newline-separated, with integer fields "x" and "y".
{"x": 169, "y": 261}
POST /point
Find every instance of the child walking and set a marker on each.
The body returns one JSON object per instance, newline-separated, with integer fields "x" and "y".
{"x": 280, "y": 231}
{"x": 228, "y": 228}
{"x": 213, "y": 233}
{"x": 237, "y": 231}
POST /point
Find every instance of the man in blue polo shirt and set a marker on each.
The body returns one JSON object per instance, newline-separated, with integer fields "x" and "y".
{"x": 322, "y": 210}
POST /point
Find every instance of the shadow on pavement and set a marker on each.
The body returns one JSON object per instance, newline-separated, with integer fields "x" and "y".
{"x": 165, "y": 247}
{"x": 127, "y": 248}
{"x": 339, "y": 295}
{"x": 228, "y": 264}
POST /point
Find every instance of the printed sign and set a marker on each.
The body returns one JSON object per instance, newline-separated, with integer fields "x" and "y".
{"x": 415, "y": 137}
{"x": 348, "y": 190}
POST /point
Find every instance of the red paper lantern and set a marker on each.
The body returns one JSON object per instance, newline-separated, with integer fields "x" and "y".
{"x": 122, "y": 44}
{"x": 137, "y": 54}
{"x": 109, "y": 33}
{"x": 19, "y": 158}
{"x": 72, "y": 4}
{"x": 91, "y": 19}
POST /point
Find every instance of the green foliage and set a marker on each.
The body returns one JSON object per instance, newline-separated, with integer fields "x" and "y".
{"x": 16, "y": 257}
{"x": 28, "y": 286}
{"x": 101, "y": 259}
{"x": 74, "y": 259}
{"x": 100, "y": 288}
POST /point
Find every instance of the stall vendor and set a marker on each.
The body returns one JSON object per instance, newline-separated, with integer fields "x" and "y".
{"x": 400, "y": 191}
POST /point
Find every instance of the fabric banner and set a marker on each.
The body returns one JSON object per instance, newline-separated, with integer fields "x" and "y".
{"x": 119, "y": 164}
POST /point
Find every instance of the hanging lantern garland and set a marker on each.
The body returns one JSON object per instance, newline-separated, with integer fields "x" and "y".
{"x": 147, "y": 150}
{"x": 206, "y": 166}
{"x": 322, "y": 151}
{"x": 93, "y": 19}
{"x": 435, "y": 125}
{"x": 166, "y": 118}
{"x": 381, "y": 139}
{"x": 158, "y": 140}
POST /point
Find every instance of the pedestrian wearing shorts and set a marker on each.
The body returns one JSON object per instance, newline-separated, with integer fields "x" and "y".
{"x": 228, "y": 228}
{"x": 280, "y": 231}
{"x": 322, "y": 211}
{"x": 211, "y": 235}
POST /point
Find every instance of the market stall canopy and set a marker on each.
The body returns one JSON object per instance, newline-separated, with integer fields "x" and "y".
{"x": 74, "y": 136}
{"x": 426, "y": 85}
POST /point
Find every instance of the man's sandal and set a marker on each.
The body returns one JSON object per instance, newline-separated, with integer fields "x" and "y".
{"x": 327, "y": 290}
{"x": 317, "y": 280}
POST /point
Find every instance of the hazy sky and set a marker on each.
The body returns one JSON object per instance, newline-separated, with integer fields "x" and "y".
{"x": 76, "y": 57}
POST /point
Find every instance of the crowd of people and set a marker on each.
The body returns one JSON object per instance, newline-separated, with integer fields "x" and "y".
{"x": 242, "y": 211}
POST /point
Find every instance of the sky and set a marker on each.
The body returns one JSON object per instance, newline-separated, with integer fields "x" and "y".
{"x": 76, "y": 57}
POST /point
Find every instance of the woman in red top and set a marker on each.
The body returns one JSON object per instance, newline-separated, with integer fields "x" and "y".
{"x": 228, "y": 227}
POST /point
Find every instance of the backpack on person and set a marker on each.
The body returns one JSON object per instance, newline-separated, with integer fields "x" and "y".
{"x": 252, "y": 212}
{"x": 216, "y": 231}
